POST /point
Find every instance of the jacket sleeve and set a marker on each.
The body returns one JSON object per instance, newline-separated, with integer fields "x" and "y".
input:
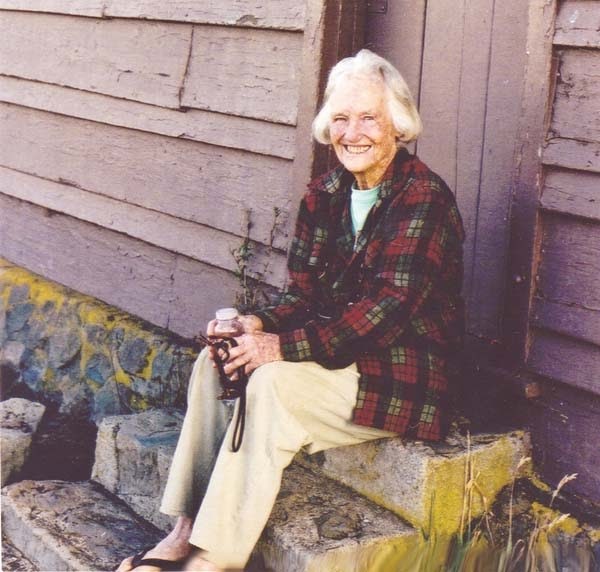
{"x": 412, "y": 250}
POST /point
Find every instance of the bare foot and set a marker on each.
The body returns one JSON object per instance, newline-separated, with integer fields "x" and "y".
{"x": 197, "y": 563}
{"x": 174, "y": 547}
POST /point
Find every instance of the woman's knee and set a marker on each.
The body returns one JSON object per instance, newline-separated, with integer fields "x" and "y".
{"x": 274, "y": 382}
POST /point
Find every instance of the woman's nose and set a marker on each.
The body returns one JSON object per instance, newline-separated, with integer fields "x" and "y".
{"x": 353, "y": 132}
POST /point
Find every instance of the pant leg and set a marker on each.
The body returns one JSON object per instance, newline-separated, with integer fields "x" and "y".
{"x": 201, "y": 435}
{"x": 290, "y": 406}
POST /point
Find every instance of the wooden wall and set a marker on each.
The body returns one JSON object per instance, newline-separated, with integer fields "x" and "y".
{"x": 509, "y": 93}
{"x": 465, "y": 63}
{"x": 139, "y": 139}
{"x": 565, "y": 319}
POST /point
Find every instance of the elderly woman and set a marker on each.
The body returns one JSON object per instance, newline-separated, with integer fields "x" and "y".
{"x": 362, "y": 345}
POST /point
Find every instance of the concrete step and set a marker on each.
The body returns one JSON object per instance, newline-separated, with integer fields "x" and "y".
{"x": 318, "y": 525}
{"x": 62, "y": 526}
{"x": 425, "y": 483}
{"x": 13, "y": 560}
{"x": 133, "y": 455}
{"x": 422, "y": 483}
{"x": 19, "y": 420}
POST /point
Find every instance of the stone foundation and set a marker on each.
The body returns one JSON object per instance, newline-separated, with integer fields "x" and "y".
{"x": 85, "y": 357}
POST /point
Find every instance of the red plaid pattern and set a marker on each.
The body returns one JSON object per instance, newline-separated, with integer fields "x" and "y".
{"x": 399, "y": 314}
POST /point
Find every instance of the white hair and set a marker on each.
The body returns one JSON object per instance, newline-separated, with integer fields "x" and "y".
{"x": 403, "y": 112}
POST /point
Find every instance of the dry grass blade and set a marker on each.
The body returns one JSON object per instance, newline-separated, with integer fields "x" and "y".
{"x": 566, "y": 479}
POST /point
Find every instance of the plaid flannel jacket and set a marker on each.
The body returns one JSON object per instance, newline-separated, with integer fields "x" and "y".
{"x": 388, "y": 299}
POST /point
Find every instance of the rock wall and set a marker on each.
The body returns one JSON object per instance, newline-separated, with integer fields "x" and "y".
{"x": 87, "y": 359}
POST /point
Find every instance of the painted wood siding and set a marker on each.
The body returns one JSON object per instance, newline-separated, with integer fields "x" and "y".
{"x": 140, "y": 141}
{"x": 564, "y": 334}
{"x": 566, "y": 311}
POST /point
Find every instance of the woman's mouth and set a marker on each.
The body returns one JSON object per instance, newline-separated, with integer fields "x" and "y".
{"x": 356, "y": 149}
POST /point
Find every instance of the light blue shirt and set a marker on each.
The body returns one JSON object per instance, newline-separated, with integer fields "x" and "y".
{"x": 361, "y": 202}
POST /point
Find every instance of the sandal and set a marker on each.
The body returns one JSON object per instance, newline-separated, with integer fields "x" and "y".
{"x": 166, "y": 565}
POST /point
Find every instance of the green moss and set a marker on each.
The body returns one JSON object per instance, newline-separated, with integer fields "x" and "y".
{"x": 102, "y": 331}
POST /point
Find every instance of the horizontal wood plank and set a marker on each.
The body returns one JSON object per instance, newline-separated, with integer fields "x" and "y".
{"x": 93, "y": 8}
{"x": 564, "y": 426}
{"x": 195, "y": 241}
{"x": 565, "y": 359}
{"x": 572, "y": 192}
{"x": 153, "y": 284}
{"x": 576, "y": 113}
{"x": 204, "y": 126}
{"x": 573, "y": 154}
{"x": 210, "y": 185}
{"x": 283, "y": 14}
{"x": 124, "y": 58}
{"x": 568, "y": 319}
{"x": 252, "y": 73}
{"x": 570, "y": 262}
{"x": 577, "y": 23}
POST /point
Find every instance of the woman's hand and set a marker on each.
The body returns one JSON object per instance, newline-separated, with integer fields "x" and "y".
{"x": 250, "y": 323}
{"x": 252, "y": 351}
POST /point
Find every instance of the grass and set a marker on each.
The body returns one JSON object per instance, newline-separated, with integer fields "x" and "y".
{"x": 490, "y": 543}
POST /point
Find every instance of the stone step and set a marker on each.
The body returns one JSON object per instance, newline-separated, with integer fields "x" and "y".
{"x": 66, "y": 526}
{"x": 422, "y": 483}
{"x": 13, "y": 560}
{"x": 133, "y": 455}
{"x": 318, "y": 525}
{"x": 425, "y": 483}
{"x": 19, "y": 420}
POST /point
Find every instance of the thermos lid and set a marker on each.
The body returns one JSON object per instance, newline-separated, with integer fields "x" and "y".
{"x": 226, "y": 314}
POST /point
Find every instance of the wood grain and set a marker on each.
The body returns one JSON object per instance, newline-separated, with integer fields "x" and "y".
{"x": 166, "y": 289}
{"x": 577, "y": 23}
{"x": 568, "y": 319}
{"x": 576, "y": 113}
{"x": 193, "y": 240}
{"x": 397, "y": 35}
{"x": 564, "y": 428}
{"x": 93, "y": 8}
{"x": 142, "y": 61}
{"x": 440, "y": 87}
{"x": 185, "y": 179}
{"x": 565, "y": 359}
{"x": 508, "y": 64}
{"x": 283, "y": 14}
{"x": 241, "y": 72}
{"x": 570, "y": 261}
{"x": 203, "y": 126}
{"x": 470, "y": 133}
{"x": 573, "y": 154}
{"x": 572, "y": 192}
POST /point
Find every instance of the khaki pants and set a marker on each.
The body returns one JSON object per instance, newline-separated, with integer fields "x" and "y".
{"x": 289, "y": 406}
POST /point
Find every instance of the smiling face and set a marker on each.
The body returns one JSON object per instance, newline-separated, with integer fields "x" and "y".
{"x": 361, "y": 129}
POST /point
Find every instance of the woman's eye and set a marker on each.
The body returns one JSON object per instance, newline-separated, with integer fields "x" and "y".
{"x": 339, "y": 119}
{"x": 368, "y": 118}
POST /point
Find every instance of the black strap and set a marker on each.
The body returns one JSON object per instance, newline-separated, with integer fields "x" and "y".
{"x": 233, "y": 387}
{"x": 240, "y": 423}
